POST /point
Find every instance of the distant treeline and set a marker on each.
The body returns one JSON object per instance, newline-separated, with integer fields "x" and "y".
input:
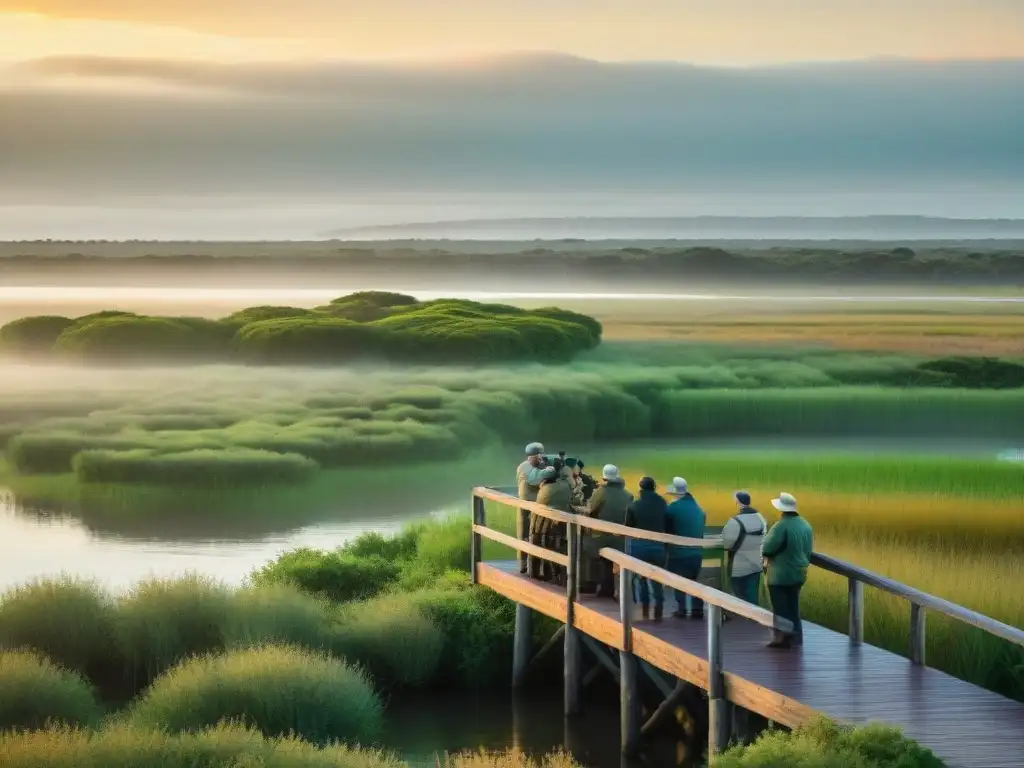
{"x": 371, "y": 325}
{"x": 922, "y": 264}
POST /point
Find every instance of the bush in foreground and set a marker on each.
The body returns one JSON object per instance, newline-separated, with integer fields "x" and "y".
{"x": 69, "y": 620}
{"x": 338, "y": 576}
{"x": 34, "y": 691}
{"x": 225, "y": 745}
{"x": 823, "y": 744}
{"x": 277, "y": 689}
{"x": 392, "y": 637}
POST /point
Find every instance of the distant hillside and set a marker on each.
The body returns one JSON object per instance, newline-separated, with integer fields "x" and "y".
{"x": 864, "y": 228}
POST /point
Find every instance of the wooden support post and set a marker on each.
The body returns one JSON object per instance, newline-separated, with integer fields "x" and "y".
{"x": 603, "y": 659}
{"x": 523, "y": 534}
{"x": 573, "y": 676}
{"x": 718, "y": 706}
{"x": 629, "y": 692}
{"x": 555, "y": 638}
{"x": 655, "y": 677}
{"x": 856, "y": 591}
{"x": 579, "y": 559}
{"x": 522, "y": 644}
{"x": 917, "y": 634}
{"x": 666, "y": 707}
{"x": 476, "y": 548}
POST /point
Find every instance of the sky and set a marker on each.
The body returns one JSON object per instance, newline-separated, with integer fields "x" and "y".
{"x": 731, "y": 32}
{"x": 126, "y": 98}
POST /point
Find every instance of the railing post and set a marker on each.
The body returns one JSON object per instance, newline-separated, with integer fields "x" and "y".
{"x": 718, "y": 705}
{"x": 579, "y": 559}
{"x": 856, "y": 591}
{"x": 476, "y": 546}
{"x": 917, "y": 634}
{"x": 572, "y": 639}
{"x": 629, "y": 695}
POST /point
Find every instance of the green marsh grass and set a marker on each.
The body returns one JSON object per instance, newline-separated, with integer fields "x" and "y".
{"x": 279, "y": 690}
{"x": 34, "y": 691}
{"x": 121, "y": 746}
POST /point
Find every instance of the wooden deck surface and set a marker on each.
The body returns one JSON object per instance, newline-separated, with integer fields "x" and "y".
{"x": 966, "y": 726}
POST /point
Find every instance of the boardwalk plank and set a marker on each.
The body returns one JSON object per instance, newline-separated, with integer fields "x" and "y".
{"x": 965, "y": 725}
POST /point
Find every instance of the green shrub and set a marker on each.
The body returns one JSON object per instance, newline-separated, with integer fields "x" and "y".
{"x": 275, "y": 614}
{"x": 204, "y": 467}
{"x": 377, "y": 298}
{"x": 277, "y": 689}
{"x": 478, "y": 626}
{"x": 392, "y": 638}
{"x": 37, "y": 453}
{"x": 69, "y": 620}
{"x": 160, "y": 622}
{"x": 140, "y": 338}
{"x": 337, "y": 575}
{"x": 823, "y": 744}
{"x": 33, "y": 335}
{"x": 222, "y": 746}
{"x": 976, "y": 372}
{"x": 34, "y": 692}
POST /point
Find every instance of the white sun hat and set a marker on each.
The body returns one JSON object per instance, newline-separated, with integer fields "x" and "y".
{"x": 610, "y": 472}
{"x": 534, "y": 449}
{"x": 677, "y": 487}
{"x": 785, "y": 503}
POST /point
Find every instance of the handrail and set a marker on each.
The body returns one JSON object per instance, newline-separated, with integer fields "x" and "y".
{"x": 522, "y": 546}
{"x": 708, "y": 594}
{"x": 584, "y": 521}
{"x": 919, "y": 598}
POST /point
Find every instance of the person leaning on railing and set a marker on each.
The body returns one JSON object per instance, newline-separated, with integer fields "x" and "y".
{"x": 556, "y": 492}
{"x": 649, "y": 513}
{"x": 787, "y": 553}
{"x": 609, "y": 503}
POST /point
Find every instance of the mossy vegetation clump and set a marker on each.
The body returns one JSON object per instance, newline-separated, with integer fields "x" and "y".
{"x": 34, "y": 692}
{"x": 279, "y": 690}
{"x": 364, "y": 326}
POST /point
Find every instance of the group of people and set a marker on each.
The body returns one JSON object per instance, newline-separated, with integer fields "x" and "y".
{"x": 781, "y": 551}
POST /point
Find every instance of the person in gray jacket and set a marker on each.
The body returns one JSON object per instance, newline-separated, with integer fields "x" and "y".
{"x": 742, "y": 538}
{"x": 529, "y": 476}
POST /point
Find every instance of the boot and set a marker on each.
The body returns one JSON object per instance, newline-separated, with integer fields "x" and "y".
{"x": 659, "y": 611}
{"x": 645, "y": 612}
{"x": 780, "y": 640}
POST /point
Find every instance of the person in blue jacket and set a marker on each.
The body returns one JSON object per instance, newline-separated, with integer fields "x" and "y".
{"x": 649, "y": 513}
{"x": 686, "y": 518}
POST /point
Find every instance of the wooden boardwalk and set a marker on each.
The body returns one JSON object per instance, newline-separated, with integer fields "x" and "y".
{"x": 833, "y": 674}
{"x": 852, "y": 683}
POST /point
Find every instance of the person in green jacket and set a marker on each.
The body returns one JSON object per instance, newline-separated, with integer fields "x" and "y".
{"x": 787, "y": 551}
{"x": 687, "y": 519}
{"x": 609, "y": 503}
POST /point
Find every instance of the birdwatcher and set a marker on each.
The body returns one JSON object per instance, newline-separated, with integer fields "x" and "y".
{"x": 686, "y": 518}
{"x": 609, "y": 503}
{"x": 556, "y": 492}
{"x": 588, "y": 481}
{"x": 649, "y": 512}
{"x": 528, "y": 479}
{"x": 742, "y": 537}
{"x": 786, "y": 550}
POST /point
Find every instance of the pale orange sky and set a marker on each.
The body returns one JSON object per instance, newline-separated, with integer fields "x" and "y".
{"x": 701, "y": 31}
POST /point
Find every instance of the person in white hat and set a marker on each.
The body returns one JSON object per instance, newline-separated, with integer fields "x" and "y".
{"x": 609, "y": 502}
{"x": 787, "y": 550}
{"x": 528, "y": 478}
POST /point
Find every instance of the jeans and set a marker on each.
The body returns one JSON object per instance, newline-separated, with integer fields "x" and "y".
{"x": 747, "y": 587}
{"x": 786, "y": 603}
{"x": 654, "y": 554}
{"x": 688, "y": 568}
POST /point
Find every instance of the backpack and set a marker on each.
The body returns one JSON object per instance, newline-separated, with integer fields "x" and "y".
{"x": 743, "y": 535}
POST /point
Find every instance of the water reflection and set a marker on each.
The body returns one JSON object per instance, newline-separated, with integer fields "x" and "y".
{"x": 423, "y": 729}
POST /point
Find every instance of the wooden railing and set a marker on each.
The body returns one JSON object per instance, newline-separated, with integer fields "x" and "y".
{"x": 717, "y": 601}
{"x": 919, "y": 601}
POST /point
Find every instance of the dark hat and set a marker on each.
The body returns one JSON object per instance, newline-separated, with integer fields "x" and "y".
{"x": 648, "y": 484}
{"x": 743, "y": 498}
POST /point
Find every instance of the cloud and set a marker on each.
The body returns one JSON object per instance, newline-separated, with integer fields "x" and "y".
{"x": 512, "y": 122}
